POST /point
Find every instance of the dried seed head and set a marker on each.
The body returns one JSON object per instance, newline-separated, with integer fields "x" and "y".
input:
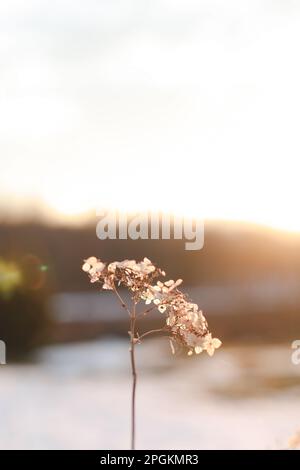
{"x": 185, "y": 323}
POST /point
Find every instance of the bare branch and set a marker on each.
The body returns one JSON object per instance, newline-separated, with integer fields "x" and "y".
{"x": 152, "y": 331}
{"x": 122, "y": 301}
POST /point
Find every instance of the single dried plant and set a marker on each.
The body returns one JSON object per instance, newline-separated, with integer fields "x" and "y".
{"x": 184, "y": 324}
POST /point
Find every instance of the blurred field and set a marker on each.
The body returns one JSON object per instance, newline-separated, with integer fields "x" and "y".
{"x": 77, "y": 396}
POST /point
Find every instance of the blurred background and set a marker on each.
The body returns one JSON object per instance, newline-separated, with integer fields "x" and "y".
{"x": 186, "y": 107}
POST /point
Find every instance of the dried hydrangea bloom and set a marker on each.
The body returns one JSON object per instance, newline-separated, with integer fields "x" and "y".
{"x": 185, "y": 323}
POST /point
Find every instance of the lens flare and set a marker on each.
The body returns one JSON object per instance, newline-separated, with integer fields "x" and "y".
{"x": 10, "y": 277}
{"x": 34, "y": 271}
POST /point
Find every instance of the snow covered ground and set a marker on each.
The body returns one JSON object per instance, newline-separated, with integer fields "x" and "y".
{"x": 77, "y": 397}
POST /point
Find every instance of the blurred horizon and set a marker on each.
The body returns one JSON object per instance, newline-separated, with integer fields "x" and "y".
{"x": 38, "y": 212}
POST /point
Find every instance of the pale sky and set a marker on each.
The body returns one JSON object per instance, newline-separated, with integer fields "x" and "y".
{"x": 184, "y": 105}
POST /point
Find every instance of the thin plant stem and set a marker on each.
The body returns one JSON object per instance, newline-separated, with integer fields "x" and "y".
{"x": 151, "y": 331}
{"x": 134, "y": 374}
{"x": 143, "y": 314}
{"x": 122, "y": 301}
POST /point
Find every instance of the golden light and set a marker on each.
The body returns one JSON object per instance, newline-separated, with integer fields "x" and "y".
{"x": 234, "y": 197}
{"x": 10, "y": 277}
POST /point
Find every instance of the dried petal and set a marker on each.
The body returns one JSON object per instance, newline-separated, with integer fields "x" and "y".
{"x": 86, "y": 267}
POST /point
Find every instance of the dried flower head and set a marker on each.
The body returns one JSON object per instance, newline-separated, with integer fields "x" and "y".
{"x": 185, "y": 323}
